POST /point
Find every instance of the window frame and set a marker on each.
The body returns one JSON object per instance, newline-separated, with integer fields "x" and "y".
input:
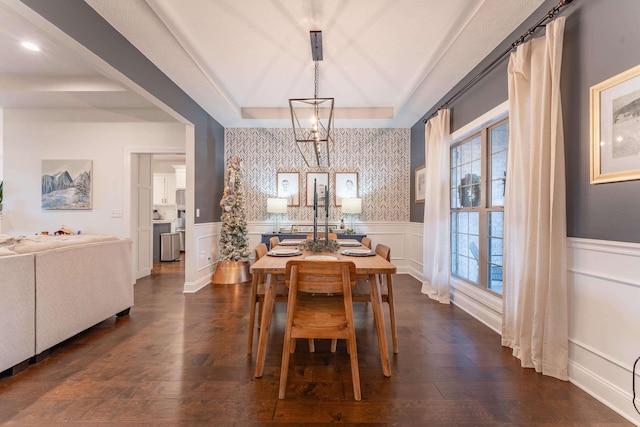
{"x": 490, "y": 121}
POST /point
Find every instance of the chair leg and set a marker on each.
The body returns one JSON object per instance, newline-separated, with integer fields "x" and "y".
{"x": 334, "y": 345}
{"x": 292, "y": 348}
{"x": 284, "y": 368}
{"x": 312, "y": 345}
{"x": 355, "y": 372}
{"x": 392, "y": 315}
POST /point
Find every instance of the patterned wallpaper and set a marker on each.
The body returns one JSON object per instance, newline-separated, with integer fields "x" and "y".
{"x": 381, "y": 157}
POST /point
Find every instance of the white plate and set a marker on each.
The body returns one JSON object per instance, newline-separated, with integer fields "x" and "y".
{"x": 290, "y": 242}
{"x": 349, "y": 242}
{"x": 357, "y": 252}
{"x": 284, "y": 252}
{"x": 321, "y": 258}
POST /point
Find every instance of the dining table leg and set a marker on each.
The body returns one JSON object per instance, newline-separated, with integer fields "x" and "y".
{"x": 265, "y": 322}
{"x": 252, "y": 314}
{"x": 376, "y": 305}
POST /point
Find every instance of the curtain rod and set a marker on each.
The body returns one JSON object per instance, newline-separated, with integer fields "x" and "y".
{"x": 541, "y": 23}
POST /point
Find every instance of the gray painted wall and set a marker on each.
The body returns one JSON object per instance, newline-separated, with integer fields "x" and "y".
{"x": 86, "y": 26}
{"x": 601, "y": 39}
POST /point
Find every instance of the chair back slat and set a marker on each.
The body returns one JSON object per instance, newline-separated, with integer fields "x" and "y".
{"x": 274, "y": 241}
{"x": 384, "y": 251}
{"x": 260, "y": 250}
{"x": 320, "y": 276}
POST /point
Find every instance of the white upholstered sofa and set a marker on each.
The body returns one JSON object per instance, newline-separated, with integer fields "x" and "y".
{"x": 53, "y": 287}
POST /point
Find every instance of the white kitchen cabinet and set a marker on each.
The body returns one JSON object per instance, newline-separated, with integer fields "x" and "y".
{"x": 181, "y": 176}
{"x": 164, "y": 189}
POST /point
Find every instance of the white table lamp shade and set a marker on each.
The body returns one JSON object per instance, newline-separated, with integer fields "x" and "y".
{"x": 352, "y": 206}
{"x": 277, "y": 206}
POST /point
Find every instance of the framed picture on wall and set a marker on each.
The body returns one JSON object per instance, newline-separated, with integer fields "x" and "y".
{"x": 420, "y": 184}
{"x": 321, "y": 180}
{"x": 288, "y": 187}
{"x": 67, "y": 184}
{"x": 346, "y": 186}
{"x": 615, "y": 128}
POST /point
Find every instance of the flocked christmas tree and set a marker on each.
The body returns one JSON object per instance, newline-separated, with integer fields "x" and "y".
{"x": 233, "y": 236}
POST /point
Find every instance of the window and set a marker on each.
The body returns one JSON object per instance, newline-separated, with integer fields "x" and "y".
{"x": 478, "y": 176}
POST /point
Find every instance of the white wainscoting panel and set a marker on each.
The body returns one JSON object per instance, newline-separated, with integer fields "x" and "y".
{"x": 415, "y": 232}
{"x": 206, "y": 237}
{"x": 604, "y": 320}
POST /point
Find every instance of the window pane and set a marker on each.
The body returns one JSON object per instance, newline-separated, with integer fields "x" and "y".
{"x": 454, "y": 177}
{"x": 455, "y": 199}
{"x": 475, "y": 192}
{"x": 463, "y": 222}
{"x": 473, "y": 270}
{"x": 454, "y": 222}
{"x": 474, "y": 248}
{"x": 463, "y": 244}
{"x": 463, "y": 267}
{"x": 495, "y": 279}
{"x": 467, "y": 155}
{"x": 495, "y": 251}
{"x": 475, "y": 168}
{"x": 476, "y": 148}
{"x": 497, "y": 193}
{"x": 454, "y": 264}
{"x": 496, "y": 220}
{"x": 474, "y": 223}
{"x": 455, "y": 156}
{"x": 500, "y": 137}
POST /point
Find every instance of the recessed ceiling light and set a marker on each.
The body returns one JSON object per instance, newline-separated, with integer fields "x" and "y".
{"x": 31, "y": 46}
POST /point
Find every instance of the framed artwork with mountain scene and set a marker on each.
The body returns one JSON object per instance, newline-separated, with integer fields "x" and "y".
{"x": 67, "y": 184}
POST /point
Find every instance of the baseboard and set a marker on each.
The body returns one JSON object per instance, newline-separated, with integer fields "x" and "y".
{"x": 480, "y": 304}
{"x": 192, "y": 287}
{"x": 600, "y": 388}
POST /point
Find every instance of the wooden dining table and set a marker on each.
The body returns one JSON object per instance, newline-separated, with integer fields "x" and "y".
{"x": 366, "y": 267}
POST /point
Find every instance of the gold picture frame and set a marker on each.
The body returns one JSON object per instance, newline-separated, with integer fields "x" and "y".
{"x": 420, "y": 182}
{"x": 615, "y": 128}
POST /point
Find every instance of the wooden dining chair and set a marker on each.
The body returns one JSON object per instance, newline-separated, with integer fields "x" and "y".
{"x": 320, "y": 306}
{"x": 274, "y": 241}
{"x": 362, "y": 292}
{"x": 366, "y": 242}
{"x": 258, "y": 287}
{"x": 332, "y": 236}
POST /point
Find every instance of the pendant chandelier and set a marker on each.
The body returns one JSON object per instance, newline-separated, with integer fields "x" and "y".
{"x": 312, "y": 118}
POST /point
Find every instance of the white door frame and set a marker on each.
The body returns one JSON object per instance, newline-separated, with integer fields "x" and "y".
{"x": 129, "y": 220}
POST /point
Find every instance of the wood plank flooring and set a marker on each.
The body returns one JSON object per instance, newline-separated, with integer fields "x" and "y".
{"x": 180, "y": 360}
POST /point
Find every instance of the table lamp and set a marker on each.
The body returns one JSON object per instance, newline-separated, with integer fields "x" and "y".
{"x": 352, "y": 206}
{"x": 276, "y": 206}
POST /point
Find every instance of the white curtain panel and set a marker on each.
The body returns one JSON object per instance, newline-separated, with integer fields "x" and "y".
{"x": 535, "y": 323}
{"x": 435, "y": 266}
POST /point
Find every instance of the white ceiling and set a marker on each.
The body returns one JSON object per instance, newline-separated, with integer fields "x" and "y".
{"x": 248, "y": 57}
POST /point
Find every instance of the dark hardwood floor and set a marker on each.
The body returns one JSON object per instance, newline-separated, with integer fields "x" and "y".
{"x": 180, "y": 360}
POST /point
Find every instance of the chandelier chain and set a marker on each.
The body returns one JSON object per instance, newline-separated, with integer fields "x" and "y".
{"x": 315, "y": 81}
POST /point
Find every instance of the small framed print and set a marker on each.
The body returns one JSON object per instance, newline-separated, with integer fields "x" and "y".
{"x": 322, "y": 180}
{"x": 288, "y": 187}
{"x": 420, "y": 184}
{"x": 615, "y": 128}
{"x": 346, "y": 186}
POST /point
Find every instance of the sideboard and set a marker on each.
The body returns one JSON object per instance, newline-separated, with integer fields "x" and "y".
{"x": 282, "y": 236}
